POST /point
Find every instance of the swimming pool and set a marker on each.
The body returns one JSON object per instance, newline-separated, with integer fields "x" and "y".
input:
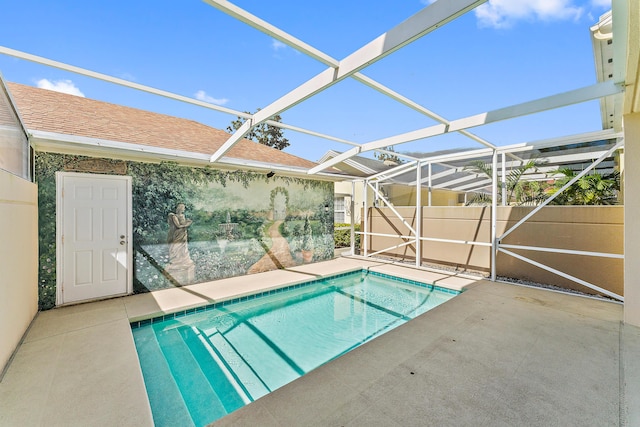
{"x": 201, "y": 364}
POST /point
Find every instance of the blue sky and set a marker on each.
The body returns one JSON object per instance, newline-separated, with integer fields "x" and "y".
{"x": 503, "y": 53}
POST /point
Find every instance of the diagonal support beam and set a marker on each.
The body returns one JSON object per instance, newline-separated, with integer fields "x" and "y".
{"x": 116, "y": 80}
{"x": 159, "y": 92}
{"x": 272, "y": 31}
{"x": 263, "y": 26}
{"x": 620, "y": 144}
{"x": 415, "y": 106}
{"x": 423, "y": 22}
{"x": 576, "y": 96}
{"x": 393, "y": 140}
{"x": 562, "y": 274}
{"x": 400, "y": 217}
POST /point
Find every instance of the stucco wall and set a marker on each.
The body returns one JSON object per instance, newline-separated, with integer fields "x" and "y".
{"x": 18, "y": 260}
{"x": 631, "y": 179}
{"x": 344, "y": 189}
{"x": 402, "y": 195}
{"x": 585, "y": 228}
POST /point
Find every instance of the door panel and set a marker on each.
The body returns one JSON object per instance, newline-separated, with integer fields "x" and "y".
{"x": 94, "y": 239}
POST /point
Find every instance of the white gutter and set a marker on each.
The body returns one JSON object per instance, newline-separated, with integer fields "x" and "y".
{"x": 57, "y": 142}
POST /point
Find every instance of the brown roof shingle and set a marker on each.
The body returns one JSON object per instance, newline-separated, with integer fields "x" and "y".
{"x": 49, "y": 111}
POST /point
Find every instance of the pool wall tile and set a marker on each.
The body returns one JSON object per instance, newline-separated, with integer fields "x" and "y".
{"x": 258, "y": 295}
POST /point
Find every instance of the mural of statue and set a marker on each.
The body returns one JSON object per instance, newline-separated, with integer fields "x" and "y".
{"x": 177, "y": 238}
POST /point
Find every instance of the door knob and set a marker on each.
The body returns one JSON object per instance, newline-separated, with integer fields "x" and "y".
{"x": 122, "y": 236}
{"x": 122, "y": 242}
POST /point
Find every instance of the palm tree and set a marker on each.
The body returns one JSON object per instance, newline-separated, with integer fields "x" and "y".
{"x": 523, "y": 192}
{"x": 590, "y": 189}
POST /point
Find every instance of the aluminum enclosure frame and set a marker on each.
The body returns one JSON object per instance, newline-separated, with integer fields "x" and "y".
{"x": 426, "y": 20}
{"x": 495, "y": 241}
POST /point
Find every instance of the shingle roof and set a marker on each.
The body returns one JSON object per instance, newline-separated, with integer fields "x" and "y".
{"x": 49, "y": 111}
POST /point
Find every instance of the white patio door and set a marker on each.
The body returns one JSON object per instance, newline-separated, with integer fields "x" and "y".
{"x": 94, "y": 228}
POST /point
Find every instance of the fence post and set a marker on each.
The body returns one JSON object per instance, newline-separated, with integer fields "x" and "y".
{"x": 494, "y": 210}
{"x": 365, "y": 219}
{"x": 419, "y": 211}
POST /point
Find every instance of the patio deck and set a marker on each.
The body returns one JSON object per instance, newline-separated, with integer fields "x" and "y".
{"x": 497, "y": 354}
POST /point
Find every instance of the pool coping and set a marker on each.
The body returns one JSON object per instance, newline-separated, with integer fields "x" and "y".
{"x": 165, "y": 302}
{"x": 234, "y": 299}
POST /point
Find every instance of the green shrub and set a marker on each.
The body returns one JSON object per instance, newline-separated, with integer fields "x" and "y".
{"x": 342, "y": 238}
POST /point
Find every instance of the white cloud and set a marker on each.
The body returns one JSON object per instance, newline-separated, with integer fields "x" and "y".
{"x": 128, "y": 76}
{"x": 504, "y": 13}
{"x": 202, "y": 96}
{"x": 427, "y": 1}
{"x": 603, "y": 4}
{"x": 64, "y": 86}
{"x": 277, "y": 45}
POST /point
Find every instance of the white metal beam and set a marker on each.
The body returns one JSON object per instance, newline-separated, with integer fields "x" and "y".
{"x": 365, "y": 220}
{"x": 423, "y": 22}
{"x": 567, "y": 185}
{"x": 576, "y": 96}
{"x": 503, "y": 180}
{"x": 528, "y": 146}
{"x": 415, "y": 106}
{"x": 563, "y": 140}
{"x": 397, "y": 214}
{"x": 450, "y": 171}
{"x": 429, "y": 181}
{"x": 291, "y": 41}
{"x": 398, "y": 139}
{"x": 562, "y": 274}
{"x": 392, "y": 247}
{"x": 564, "y": 251}
{"x": 115, "y": 80}
{"x": 494, "y": 212}
{"x": 458, "y": 180}
{"x": 476, "y": 185}
{"x": 398, "y": 170}
{"x": 259, "y": 24}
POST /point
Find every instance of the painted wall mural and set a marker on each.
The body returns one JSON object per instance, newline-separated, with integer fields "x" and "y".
{"x": 193, "y": 225}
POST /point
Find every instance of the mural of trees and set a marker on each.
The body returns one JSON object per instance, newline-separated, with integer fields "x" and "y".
{"x": 238, "y": 218}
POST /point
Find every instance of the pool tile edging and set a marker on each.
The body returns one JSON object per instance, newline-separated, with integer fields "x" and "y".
{"x": 222, "y": 303}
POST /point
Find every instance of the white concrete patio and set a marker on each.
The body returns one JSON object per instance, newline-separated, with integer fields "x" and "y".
{"x": 497, "y": 354}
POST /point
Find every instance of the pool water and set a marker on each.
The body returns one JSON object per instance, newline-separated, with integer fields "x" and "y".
{"x": 199, "y": 367}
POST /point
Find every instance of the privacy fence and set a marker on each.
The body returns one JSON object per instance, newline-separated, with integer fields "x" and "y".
{"x": 575, "y": 247}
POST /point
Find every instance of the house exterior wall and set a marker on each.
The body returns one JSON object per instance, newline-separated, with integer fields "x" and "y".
{"x": 18, "y": 261}
{"x": 585, "y": 228}
{"x": 344, "y": 189}
{"x": 631, "y": 180}
{"x": 238, "y": 222}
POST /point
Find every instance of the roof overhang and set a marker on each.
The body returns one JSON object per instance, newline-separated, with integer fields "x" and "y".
{"x": 79, "y": 145}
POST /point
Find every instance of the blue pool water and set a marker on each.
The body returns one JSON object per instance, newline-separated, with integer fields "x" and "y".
{"x": 204, "y": 363}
